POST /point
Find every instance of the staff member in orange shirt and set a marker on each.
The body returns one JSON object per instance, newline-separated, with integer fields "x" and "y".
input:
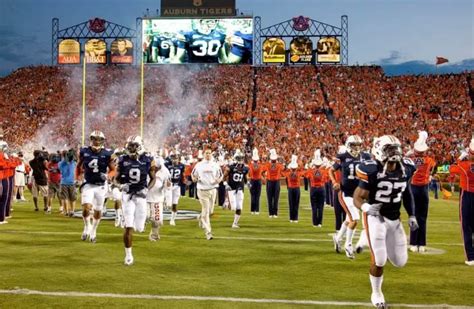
{"x": 317, "y": 176}
{"x": 273, "y": 171}
{"x": 425, "y": 167}
{"x": 465, "y": 169}
{"x": 255, "y": 175}
{"x": 7, "y": 170}
{"x": 14, "y": 162}
{"x": 293, "y": 179}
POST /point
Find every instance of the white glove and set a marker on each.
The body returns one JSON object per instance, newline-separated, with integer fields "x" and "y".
{"x": 125, "y": 188}
{"x": 227, "y": 187}
{"x": 249, "y": 185}
{"x": 371, "y": 209}
{"x": 412, "y": 223}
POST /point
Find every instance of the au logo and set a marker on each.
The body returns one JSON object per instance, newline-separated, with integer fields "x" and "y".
{"x": 97, "y": 25}
{"x": 300, "y": 23}
{"x": 197, "y": 2}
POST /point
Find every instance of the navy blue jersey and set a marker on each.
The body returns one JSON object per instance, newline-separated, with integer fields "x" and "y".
{"x": 163, "y": 44}
{"x": 388, "y": 189}
{"x": 348, "y": 164}
{"x": 95, "y": 164}
{"x": 237, "y": 176}
{"x": 176, "y": 173}
{"x": 134, "y": 172}
{"x": 202, "y": 47}
{"x": 242, "y": 44}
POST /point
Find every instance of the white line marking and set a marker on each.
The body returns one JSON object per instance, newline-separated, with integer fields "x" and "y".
{"x": 217, "y": 298}
{"x": 143, "y": 235}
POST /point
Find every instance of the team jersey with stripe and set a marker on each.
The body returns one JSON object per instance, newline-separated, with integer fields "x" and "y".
{"x": 348, "y": 164}
{"x": 176, "y": 172}
{"x": 424, "y": 167}
{"x": 135, "y": 171}
{"x": 465, "y": 170}
{"x": 95, "y": 164}
{"x": 389, "y": 188}
{"x": 237, "y": 176}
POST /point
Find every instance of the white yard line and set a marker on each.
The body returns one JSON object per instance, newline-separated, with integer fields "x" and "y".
{"x": 215, "y": 237}
{"x": 216, "y": 298}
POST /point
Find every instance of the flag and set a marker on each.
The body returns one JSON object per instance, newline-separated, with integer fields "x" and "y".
{"x": 441, "y": 60}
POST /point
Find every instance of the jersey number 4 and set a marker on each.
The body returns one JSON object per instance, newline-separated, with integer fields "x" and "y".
{"x": 386, "y": 190}
{"x": 94, "y": 165}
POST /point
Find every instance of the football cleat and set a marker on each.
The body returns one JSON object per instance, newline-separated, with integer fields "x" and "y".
{"x": 84, "y": 236}
{"x": 235, "y": 226}
{"x": 337, "y": 245}
{"x": 359, "y": 249}
{"x": 128, "y": 260}
{"x": 93, "y": 239}
{"x": 470, "y": 263}
{"x": 172, "y": 223}
{"x": 413, "y": 248}
{"x": 349, "y": 251}
{"x": 209, "y": 236}
{"x": 422, "y": 249}
{"x": 154, "y": 236}
{"x": 378, "y": 300}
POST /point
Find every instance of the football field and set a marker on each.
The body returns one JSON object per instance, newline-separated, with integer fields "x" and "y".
{"x": 267, "y": 263}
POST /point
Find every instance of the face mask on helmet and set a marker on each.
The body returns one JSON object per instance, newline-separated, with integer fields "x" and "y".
{"x": 133, "y": 148}
{"x": 387, "y": 149}
{"x": 97, "y": 140}
{"x": 354, "y": 148}
{"x": 393, "y": 152}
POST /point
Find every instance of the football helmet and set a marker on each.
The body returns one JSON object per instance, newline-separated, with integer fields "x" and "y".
{"x": 134, "y": 145}
{"x": 206, "y": 26}
{"x": 3, "y": 146}
{"x": 174, "y": 156}
{"x": 353, "y": 145}
{"x": 387, "y": 148}
{"x": 239, "y": 156}
{"x": 97, "y": 139}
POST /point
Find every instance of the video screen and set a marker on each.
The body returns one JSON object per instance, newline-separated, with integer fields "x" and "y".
{"x": 329, "y": 50}
{"x": 205, "y": 40}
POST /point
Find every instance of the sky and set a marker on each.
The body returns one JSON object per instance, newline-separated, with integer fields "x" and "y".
{"x": 381, "y": 32}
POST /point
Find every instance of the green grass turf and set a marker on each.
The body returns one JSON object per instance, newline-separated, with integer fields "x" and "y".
{"x": 266, "y": 258}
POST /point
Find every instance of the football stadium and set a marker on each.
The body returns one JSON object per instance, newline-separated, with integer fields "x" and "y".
{"x": 210, "y": 154}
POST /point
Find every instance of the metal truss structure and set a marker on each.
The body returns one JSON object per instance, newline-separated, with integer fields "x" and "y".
{"x": 315, "y": 30}
{"x": 82, "y": 32}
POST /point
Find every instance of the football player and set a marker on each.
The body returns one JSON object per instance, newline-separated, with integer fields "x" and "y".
{"x": 384, "y": 184}
{"x": 163, "y": 48}
{"x": 114, "y": 192}
{"x": 156, "y": 198}
{"x": 133, "y": 169}
{"x": 347, "y": 162}
{"x": 176, "y": 170}
{"x": 94, "y": 162}
{"x": 235, "y": 178}
{"x": 205, "y": 44}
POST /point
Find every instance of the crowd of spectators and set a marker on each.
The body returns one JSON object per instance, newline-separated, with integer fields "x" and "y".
{"x": 292, "y": 109}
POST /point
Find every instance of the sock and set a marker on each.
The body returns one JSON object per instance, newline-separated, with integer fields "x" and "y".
{"x": 341, "y": 232}
{"x": 87, "y": 223}
{"x": 349, "y": 236}
{"x": 173, "y": 215}
{"x": 376, "y": 283}
{"x": 119, "y": 212}
{"x": 236, "y": 219}
{"x": 128, "y": 252}
{"x": 95, "y": 223}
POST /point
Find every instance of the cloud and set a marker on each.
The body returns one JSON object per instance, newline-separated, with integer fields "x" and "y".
{"x": 395, "y": 56}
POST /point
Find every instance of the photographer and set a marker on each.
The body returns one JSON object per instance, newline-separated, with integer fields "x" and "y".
{"x": 54, "y": 178}
{"x": 67, "y": 195}
{"x": 39, "y": 181}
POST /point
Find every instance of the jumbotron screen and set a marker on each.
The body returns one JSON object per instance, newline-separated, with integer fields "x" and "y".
{"x": 205, "y": 40}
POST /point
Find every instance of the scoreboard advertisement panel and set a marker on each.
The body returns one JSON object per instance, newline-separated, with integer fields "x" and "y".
{"x": 329, "y": 50}
{"x": 274, "y": 50}
{"x": 301, "y": 50}
{"x": 204, "y": 40}
{"x": 69, "y": 52}
{"x": 121, "y": 51}
{"x": 95, "y": 51}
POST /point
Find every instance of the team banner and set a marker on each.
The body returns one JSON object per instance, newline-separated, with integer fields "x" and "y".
{"x": 190, "y": 8}
{"x": 329, "y": 50}
{"x": 121, "y": 51}
{"x": 301, "y": 50}
{"x": 95, "y": 51}
{"x": 227, "y": 41}
{"x": 69, "y": 52}
{"x": 274, "y": 50}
